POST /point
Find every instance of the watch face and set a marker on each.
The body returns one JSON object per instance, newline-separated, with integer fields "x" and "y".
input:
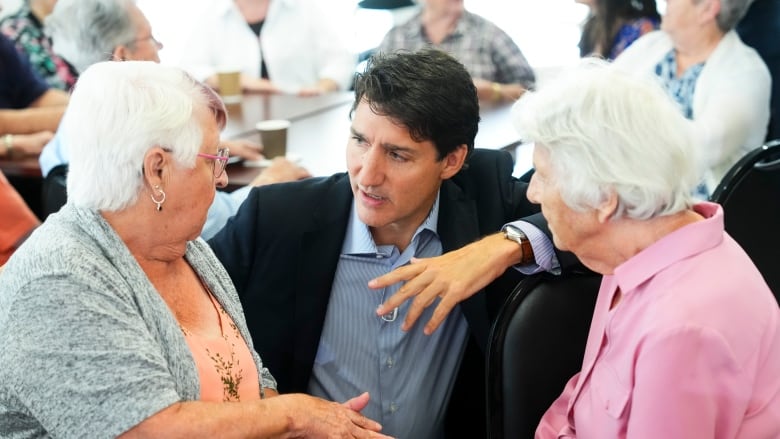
{"x": 513, "y": 233}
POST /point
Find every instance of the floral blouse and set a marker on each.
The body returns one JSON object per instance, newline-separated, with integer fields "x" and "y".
{"x": 26, "y": 31}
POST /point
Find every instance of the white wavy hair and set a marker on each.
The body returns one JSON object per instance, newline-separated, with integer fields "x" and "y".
{"x": 608, "y": 131}
{"x": 117, "y": 112}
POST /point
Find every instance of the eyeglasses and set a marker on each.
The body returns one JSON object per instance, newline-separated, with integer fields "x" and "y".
{"x": 220, "y": 160}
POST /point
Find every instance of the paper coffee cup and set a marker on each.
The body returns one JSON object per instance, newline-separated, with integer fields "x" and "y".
{"x": 229, "y": 83}
{"x": 273, "y": 135}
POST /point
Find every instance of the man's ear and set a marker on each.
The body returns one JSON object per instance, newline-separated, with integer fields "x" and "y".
{"x": 453, "y": 162}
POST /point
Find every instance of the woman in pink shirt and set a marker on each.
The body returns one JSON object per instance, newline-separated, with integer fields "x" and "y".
{"x": 685, "y": 338}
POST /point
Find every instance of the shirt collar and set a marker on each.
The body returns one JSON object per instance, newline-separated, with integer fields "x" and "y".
{"x": 682, "y": 243}
{"x": 418, "y": 32}
{"x": 358, "y": 239}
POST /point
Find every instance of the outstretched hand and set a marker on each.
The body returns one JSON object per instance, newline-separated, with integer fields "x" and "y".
{"x": 317, "y": 418}
{"x": 454, "y": 277}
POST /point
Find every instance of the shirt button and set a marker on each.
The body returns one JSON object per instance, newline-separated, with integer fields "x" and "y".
{"x": 390, "y": 362}
{"x": 393, "y": 407}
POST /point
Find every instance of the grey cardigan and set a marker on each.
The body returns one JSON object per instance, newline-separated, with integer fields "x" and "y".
{"x": 89, "y": 348}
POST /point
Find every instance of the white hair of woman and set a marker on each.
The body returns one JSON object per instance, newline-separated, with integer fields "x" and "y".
{"x": 108, "y": 174}
{"x": 602, "y": 127}
{"x": 87, "y": 31}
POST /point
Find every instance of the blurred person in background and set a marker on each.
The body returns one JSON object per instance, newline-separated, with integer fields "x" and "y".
{"x": 25, "y": 28}
{"x": 116, "y": 319}
{"x": 685, "y": 337}
{"x": 720, "y": 84}
{"x": 280, "y": 46}
{"x": 613, "y": 25}
{"x": 497, "y": 66}
{"x": 89, "y": 31}
{"x": 16, "y": 222}
{"x": 30, "y": 110}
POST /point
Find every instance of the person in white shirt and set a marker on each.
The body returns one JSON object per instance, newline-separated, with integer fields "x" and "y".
{"x": 721, "y": 84}
{"x": 280, "y": 46}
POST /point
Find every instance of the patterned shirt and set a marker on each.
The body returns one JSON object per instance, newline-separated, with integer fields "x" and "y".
{"x": 679, "y": 88}
{"x": 630, "y": 32}
{"x": 26, "y": 31}
{"x": 485, "y": 50}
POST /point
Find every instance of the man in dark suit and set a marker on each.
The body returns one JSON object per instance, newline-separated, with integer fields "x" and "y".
{"x": 301, "y": 254}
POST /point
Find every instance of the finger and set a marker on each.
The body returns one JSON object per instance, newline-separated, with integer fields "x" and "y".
{"x": 398, "y": 275}
{"x": 358, "y": 403}
{"x": 420, "y": 303}
{"x": 363, "y": 422}
{"x": 439, "y": 314}
{"x": 410, "y": 289}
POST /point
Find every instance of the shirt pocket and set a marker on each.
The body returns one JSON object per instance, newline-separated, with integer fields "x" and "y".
{"x": 611, "y": 394}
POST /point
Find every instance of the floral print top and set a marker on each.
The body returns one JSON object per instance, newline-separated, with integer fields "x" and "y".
{"x": 26, "y": 31}
{"x": 226, "y": 369}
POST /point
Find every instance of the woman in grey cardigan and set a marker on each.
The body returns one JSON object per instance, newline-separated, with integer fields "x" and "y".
{"x": 116, "y": 319}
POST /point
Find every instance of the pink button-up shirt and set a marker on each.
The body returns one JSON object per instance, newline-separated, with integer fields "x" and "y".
{"x": 691, "y": 351}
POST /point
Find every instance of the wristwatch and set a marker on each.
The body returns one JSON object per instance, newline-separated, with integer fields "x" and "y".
{"x": 512, "y": 233}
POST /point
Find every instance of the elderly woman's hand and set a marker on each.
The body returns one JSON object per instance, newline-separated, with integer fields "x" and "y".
{"x": 317, "y": 418}
{"x": 281, "y": 170}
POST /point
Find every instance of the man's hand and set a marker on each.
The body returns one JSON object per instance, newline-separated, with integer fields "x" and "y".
{"x": 453, "y": 276}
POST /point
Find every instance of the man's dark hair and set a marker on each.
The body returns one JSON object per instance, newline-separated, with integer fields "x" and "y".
{"x": 429, "y": 92}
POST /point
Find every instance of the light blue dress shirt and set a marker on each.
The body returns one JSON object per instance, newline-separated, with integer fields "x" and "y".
{"x": 409, "y": 375}
{"x": 224, "y": 206}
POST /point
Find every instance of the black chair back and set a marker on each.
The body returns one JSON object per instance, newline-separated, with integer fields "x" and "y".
{"x": 54, "y": 190}
{"x": 750, "y": 196}
{"x": 536, "y": 345}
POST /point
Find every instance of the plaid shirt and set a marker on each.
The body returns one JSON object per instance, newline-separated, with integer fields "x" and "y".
{"x": 26, "y": 31}
{"x": 485, "y": 50}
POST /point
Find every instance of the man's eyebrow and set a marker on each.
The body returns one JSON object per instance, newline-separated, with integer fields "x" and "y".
{"x": 388, "y": 146}
{"x": 355, "y": 133}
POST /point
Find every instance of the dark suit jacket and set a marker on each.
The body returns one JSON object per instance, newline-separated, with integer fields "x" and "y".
{"x": 282, "y": 247}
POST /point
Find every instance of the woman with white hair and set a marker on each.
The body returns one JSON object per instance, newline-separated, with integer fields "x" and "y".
{"x": 116, "y": 319}
{"x": 685, "y": 337}
{"x": 89, "y": 31}
{"x": 719, "y": 83}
